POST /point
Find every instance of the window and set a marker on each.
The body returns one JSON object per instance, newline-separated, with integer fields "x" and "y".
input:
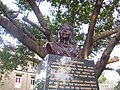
{"x": 18, "y": 81}
{"x": 32, "y": 82}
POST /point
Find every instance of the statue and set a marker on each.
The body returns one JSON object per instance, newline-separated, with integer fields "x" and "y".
{"x": 61, "y": 72}
{"x": 63, "y": 46}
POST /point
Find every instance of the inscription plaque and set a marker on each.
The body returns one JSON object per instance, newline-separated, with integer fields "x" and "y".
{"x": 66, "y": 73}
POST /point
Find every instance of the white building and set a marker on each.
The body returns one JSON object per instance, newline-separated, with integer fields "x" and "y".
{"x": 106, "y": 86}
{"x": 19, "y": 79}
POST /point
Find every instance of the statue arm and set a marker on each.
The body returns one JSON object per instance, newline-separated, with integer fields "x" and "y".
{"x": 50, "y": 48}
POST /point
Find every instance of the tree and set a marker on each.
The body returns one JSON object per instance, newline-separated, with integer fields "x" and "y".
{"x": 10, "y": 58}
{"x": 97, "y": 14}
{"x": 118, "y": 85}
{"x": 102, "y": 79}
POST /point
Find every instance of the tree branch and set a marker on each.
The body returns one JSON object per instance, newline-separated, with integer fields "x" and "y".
{"x": 105, "y": 34}
{"x": 105, "y": 56}
{"x": 23, "y": 37}
{"x": 112, "y": 60}
{"x": 41, "y": 19}
{"x": 89, "y": 39}
{"x": 101, "y": 36}
{"x": 34, "y": 24}
{"x": 18, "y": 26}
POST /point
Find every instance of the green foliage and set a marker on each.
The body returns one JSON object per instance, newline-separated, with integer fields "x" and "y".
{"x": 39, "y": 84}
{"x": 37, "y": 33}
{"x": 78, "y": 13}
{"x": 118, "y": 70}
{"x": 118, "y": 86}
{"x": 23, "y": 5}
{"x": 11, "y": 57}
{"x": 106, "y": 17}
{"x": 102, "y": 79}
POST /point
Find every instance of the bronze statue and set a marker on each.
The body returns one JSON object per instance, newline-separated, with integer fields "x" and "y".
{"x": 63, "y": 46}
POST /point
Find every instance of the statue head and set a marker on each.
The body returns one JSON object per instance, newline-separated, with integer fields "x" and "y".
{"x": 65, "y": 32}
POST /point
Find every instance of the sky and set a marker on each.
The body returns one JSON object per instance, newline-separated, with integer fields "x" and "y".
{"x": 110, "y": 75}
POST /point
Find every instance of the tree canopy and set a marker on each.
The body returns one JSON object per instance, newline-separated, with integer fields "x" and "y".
{"x": 118, "y": 85}
{"x": 103, "y": 29}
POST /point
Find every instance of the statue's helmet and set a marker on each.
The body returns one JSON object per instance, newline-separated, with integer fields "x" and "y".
{"x": 66, "y": 26}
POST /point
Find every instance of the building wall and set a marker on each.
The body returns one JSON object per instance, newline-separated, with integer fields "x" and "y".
{"x": 105, "y": 86}
{"x": 12, "y": 81}
{"x": 7, "y": 83}
{"x": 25, "y": 82}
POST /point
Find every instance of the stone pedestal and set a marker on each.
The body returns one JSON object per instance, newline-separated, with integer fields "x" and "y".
{"x": 66, "y": 73}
